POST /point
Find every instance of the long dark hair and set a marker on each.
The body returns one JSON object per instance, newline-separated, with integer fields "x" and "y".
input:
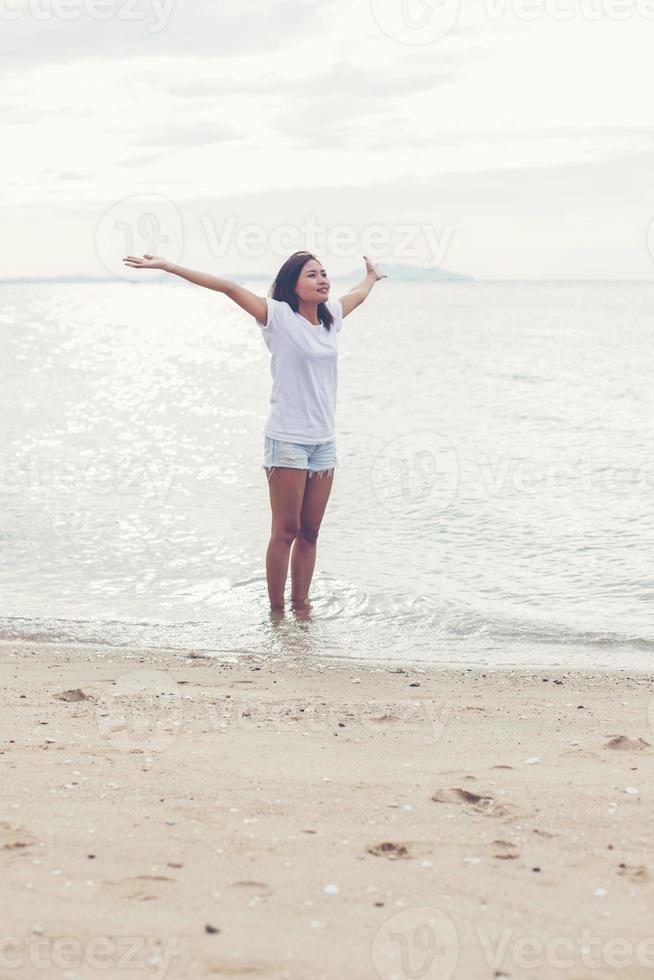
{"x": 286, "y": 279}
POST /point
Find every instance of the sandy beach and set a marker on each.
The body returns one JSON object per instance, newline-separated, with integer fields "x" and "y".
{"x": 166, "y": 815}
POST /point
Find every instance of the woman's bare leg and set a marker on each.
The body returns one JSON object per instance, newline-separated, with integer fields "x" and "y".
{"x": 286, "y": 487}
{"x": 303, "y": 556}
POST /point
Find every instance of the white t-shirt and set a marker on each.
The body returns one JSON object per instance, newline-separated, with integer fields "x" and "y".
{"x": 304, "y": 370}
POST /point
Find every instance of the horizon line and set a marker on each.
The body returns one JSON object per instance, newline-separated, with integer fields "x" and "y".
{"x": 459, "y": 279}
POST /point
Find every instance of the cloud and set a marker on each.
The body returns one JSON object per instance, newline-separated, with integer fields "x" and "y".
{"x": 342, "y": 101}
{"x": 357, "y": 103}
{"x": 209, "y": 87}
{"x": 141, "y": 160}
{"x": 552, "y": 193}
{"x": 605, "y": 139}
{"x": 23, "y": 111}
{"x": 66, "y": 175}
{"x": 186, "y": 134}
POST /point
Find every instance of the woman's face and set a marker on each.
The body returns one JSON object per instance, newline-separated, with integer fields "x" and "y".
{"x": 312, "y": 285}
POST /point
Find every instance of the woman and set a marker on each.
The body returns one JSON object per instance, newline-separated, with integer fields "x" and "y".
{"x": 299, "y": 324}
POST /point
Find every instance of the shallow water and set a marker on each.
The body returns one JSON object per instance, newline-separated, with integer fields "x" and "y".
{"x": 492, "y": 502}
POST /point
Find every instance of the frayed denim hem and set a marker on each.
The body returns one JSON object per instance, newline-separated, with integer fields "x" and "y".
{"x": 310, "y": 473}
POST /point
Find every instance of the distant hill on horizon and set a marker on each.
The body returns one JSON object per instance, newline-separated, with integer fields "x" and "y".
{"x": 418, "y": 273}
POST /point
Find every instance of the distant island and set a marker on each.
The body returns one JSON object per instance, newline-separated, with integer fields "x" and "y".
{"x": 416, "y": 273}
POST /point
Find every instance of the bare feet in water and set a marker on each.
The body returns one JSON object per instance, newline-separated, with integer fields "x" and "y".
{"x": 301, "y": 609}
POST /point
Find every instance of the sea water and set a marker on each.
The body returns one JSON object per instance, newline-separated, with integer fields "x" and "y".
{"x": 492, "y": 503}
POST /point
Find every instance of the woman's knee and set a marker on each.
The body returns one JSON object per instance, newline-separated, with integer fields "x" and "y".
{"x": 286, "y": 533}
{"x": 309, "y": 532}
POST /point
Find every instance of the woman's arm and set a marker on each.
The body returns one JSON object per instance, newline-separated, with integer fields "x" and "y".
{"x": 357, "y": 295}
{"x": 255, "y": 305}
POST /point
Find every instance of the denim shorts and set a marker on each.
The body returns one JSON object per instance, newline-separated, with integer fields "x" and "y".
{"x": 315, "y": 457}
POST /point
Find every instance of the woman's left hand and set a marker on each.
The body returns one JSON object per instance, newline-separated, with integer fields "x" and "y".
{"x": 372, "y": 270}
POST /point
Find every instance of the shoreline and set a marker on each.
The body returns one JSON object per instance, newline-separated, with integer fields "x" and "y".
{"x": 640, "y": 668}
{"x": 308, "y": 819}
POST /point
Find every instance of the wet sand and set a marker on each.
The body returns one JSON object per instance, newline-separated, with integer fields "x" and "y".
{"x": 166, "y": 815}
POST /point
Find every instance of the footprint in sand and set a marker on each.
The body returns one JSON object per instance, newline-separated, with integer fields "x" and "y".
{"x": 623, "y": 744}
{"x": 480, "y": 803}
{"x": 76, "y": 695}
{"x": 14, "y": 838}
{"x": 246, "y": 968}
{"x": 390, "y": 850}
{"x": 634, "y": 872}
{"x": 141, "y": 888}
{"x": 580, "y": 754}
{"x": 507, "y": 851}
{"x": 259, "y": 888}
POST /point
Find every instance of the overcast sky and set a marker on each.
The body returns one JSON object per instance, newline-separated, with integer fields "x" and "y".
{"x": 505, "y": 139}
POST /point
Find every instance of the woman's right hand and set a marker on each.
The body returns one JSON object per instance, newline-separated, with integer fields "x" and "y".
{"x": 147, "y": 262}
